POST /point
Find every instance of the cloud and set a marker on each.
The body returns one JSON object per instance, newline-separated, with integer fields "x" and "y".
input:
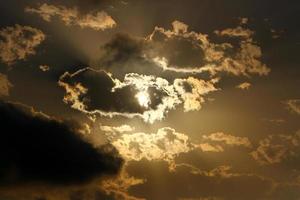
{"x": 236, "y": 32}
{"x": 276, "y": 148}
{"x": 124, "y": 54}
{"x": 217, "y": 182}
{"x": 228, "y": 139}
{"x": 207, "y": 147}
{"x": 117, "y": 129}
{"x": 244, "y": 86}
{"x": 36, "y": 148}
{"x": 166, "y": 144}
{"x": 5, "y": 85}
{"x": 243, "y": 20}
{"x": 71, "y": 16}
{"x": 44, "y": 68}
{"x": 18, "y": 42}
{"x": 193, "y": 96}
{"x": 293, "y": 105}
{"x": 238, "y": 59}
{"x": 119, "y": 186}
{"x": 179, "y": 27}
{"x": 148, "y": 97}
{"x": 275, "y": 120}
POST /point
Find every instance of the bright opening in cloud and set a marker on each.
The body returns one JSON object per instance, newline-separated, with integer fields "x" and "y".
{"x": 143, "y": 98}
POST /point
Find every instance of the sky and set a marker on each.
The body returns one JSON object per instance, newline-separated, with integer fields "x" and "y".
{"x": 149, "y": 100}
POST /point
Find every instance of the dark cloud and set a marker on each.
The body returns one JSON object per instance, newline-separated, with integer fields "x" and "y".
{"x": 180, "y": 52}
{"x": 99, "y": 95}
{"x": 34, "y": 147}
{"x": 124, "y": 54}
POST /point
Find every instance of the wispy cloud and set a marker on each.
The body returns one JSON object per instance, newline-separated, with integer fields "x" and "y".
{"x": 276, "y": 148}
{"x": 293, "y": 105}
{"x": 71, "y": 16}
{"x": 18, "y": 42}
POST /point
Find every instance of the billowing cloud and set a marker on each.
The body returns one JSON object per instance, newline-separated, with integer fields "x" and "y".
{"x": 276, "y": 148}
{"x": 192, "y": 91}
{"x": 71, "y": 16}
{"x": 36, "y": 148}
{"x": 148, "y": 97}
{"x": 18, "y": 42}
{"x": 293, "y": 105}
{"x": 166, "y": 144}
{"x": 244, "y": 86}
{"x": 238, "y": 59}
{"x": 5, "y": 85}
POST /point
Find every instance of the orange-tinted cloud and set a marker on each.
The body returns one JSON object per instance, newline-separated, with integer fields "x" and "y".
{"x": 5, "y": 85}
{"x": 19, "y": 42}
{"x": 245, "y": 58}
{"x": 71, "y": 16}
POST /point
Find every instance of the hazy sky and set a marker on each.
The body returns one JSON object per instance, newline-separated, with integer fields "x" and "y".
{"x": 156, "y": 100}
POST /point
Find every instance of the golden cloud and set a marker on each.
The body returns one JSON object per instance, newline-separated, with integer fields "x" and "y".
{"x": 71, "y": 16}
{"x": 19, "y": 42}
{"x": 244, "y": 86}
{"x": 169, "y": 97}
{"x": 276, "y": 148}
{"x": 293, "y": 105}
{"x": 245, "y": 59}
{"x": 228, "y": 139}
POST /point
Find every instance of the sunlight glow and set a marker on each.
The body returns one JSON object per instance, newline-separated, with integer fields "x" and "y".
{"x": 143, "y": 98}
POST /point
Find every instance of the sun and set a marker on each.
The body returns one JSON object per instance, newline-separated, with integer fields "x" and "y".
{"x": 143, "y": 98}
